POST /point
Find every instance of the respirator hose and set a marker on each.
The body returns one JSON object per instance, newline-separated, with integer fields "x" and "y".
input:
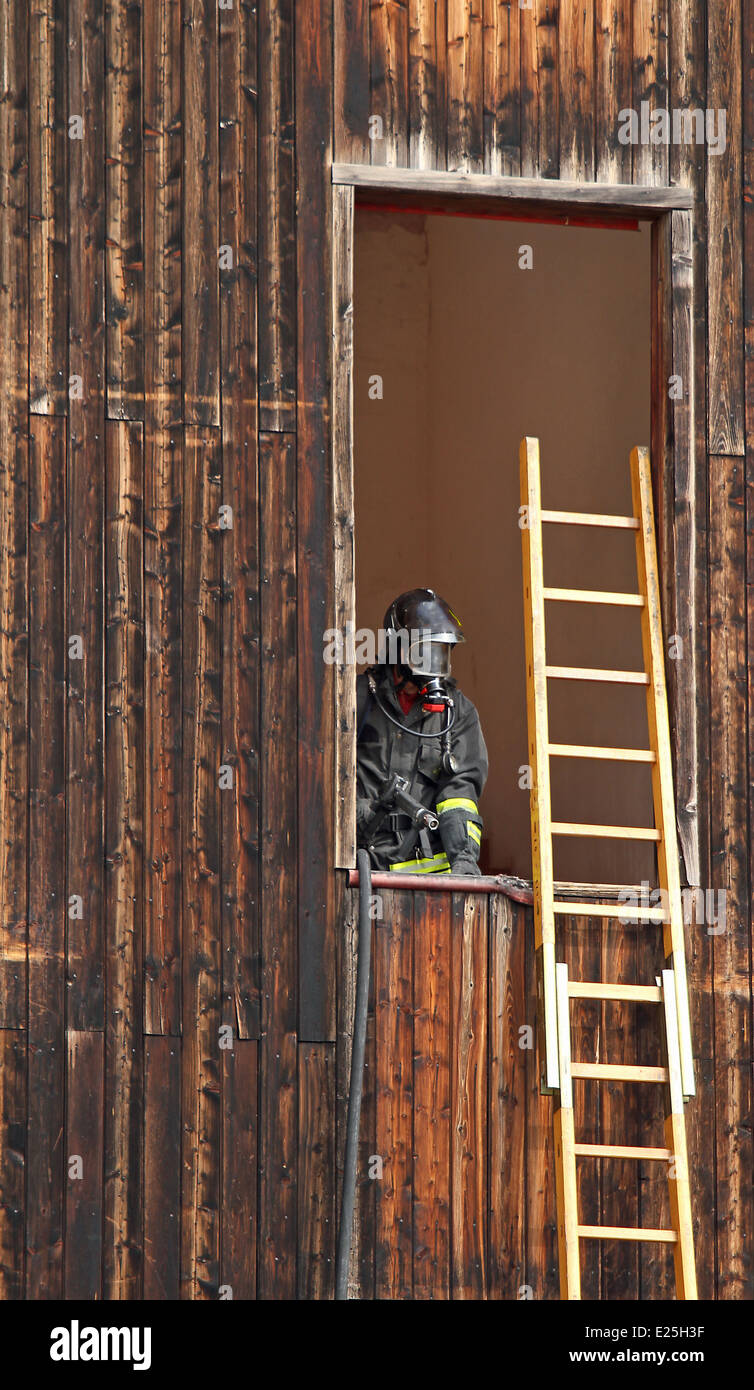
{"x": 404, "y": 727}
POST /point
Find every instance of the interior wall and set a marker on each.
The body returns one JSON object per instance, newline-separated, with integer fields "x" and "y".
{"x": 473, "y": 352}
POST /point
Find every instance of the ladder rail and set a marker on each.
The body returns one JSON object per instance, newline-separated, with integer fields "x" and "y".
{"x": 659, "y": 739}
{"x": 539, "y": 800}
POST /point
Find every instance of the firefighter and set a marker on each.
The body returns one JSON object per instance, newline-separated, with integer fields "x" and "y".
{"x": 419, "y": 740}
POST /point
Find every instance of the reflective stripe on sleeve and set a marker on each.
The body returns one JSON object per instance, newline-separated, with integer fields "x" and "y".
{"x": 438, "y": 864}
{"x": 457, "y": 803}
{"x": 474, "y": 831}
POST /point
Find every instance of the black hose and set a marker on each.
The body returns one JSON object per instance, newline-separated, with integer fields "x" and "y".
{"x": 356, "y": 1085}
{"x": 415, "y": 733}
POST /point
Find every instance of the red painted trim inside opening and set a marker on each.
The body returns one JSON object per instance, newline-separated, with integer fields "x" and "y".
{"x": 558, "y": 219}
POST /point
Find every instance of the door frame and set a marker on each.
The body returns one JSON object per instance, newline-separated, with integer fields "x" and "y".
{"x": 672, "y": 442}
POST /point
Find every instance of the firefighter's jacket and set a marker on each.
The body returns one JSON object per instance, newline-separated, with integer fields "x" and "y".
{"x": 382, "y": 749}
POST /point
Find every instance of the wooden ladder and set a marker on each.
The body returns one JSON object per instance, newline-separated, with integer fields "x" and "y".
{"x": 554, "y": 988}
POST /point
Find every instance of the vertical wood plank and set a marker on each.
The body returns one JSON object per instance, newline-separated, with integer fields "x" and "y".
{"x": 13, "y": 1135}
{"x": 656, "y": 1271}
{"x": 539, "y": 90}
{"x": 465, "y": 80}
{"x": 577, "y": 78}
{"x": 688, "y": 80}
{"x": 393, "y": 994}
{"x": 650, "y": 84}
{"x": 124, "y": 755}
{"x": 46, "y": 1162}
{"x": 747, "y": 20}
{"x": 85, "y": 499}
{"x": 469, "y": 1140}
{"x": 388, "y": 31}
{"x": 502, "y": 87}
{"x": 541, "y": 1278}
{"x": 362, "y": 1274}
{"x": 238, "y": 1271}
{"x": 277, "y": 1067}
{"x": 200, "y": 1065}
{"x": 48, "y": 264}
{"x": 83, "y": 1161}
{"x": 427, "y": 78}
{"x": 277, "y": 1167}
{"x": 200, "y": 192}
{"x": 432, "y": 1095}
{"x": 164, "y": 769}
{"x": 240, "y": 536}
{"x": 725, "y": 405}
{"x": 687, "y": 65}
{"x": 548, "y": 111}
{"x": 507, "y": 1099}
{"x": 623, "y": 961}
{"x": 581, "y": 940}
{"x": 661, "y": 442}
{"x": 747, "y": 79}
{"x": 343, "y": 521}
{"x": 612, "y": 88}
{"x": 47, "y": 990}
{"x": 277, "y": 218}
{"x": 684, "y": 678}
{"x": 316, "y": 891}
{"x": 363, "y": 1262}
{"x": 316, "y": 1165}
{"x": 124, "y": 257}
{"x": 163, "y": 485}
{"x": 731, "y": 949}
{"x": 351, "y": 95}
{"x": 700, "y": 1113}
{"x": 14, "y": 368}
{"x": 162, "y": 1167}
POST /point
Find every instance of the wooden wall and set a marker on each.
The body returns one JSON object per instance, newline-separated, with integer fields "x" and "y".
{"x": 165, "y": 716}
{"x": 465, "y": 1204}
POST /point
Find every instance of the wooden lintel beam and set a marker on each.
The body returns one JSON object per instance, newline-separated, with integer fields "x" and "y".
{"x": 644, "y": 200}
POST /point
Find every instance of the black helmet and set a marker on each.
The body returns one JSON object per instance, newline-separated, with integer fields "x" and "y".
{"x": 432, "y": 628}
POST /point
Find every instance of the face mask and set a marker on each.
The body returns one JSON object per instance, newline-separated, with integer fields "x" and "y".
{"x": 428, "y": 658}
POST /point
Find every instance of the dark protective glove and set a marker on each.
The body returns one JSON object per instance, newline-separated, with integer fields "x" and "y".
{"x": 465, "y": 867}
{"x": 365, "y": 809}
{"x": 460, "y": 843}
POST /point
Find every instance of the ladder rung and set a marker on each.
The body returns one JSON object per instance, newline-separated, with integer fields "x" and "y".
{"x": 583, "y": 989}
{"x": 594, "y": 596}
{"x": 586, "y": 750}
{"x": 608, "y": 1071}
{"x": 598, "y": 890}
{"x": 652, "y": 914}
{"x": 593, "y": 673}
{"x": 620, "y": 1151}
{"x": 609, "y": 832}
{"x": 625, "y": 523}
{"x": 626, "y": 1233}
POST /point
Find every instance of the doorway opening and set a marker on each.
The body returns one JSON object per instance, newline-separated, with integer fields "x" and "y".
{"x": 470, "y": 332}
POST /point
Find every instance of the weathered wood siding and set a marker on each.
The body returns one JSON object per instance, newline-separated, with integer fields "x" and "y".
{"x": 166, "y": 759}
{"x": 464, "y": 1203}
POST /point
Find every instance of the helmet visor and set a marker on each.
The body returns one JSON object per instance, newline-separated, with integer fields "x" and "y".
{"x": 429, "y": 657}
